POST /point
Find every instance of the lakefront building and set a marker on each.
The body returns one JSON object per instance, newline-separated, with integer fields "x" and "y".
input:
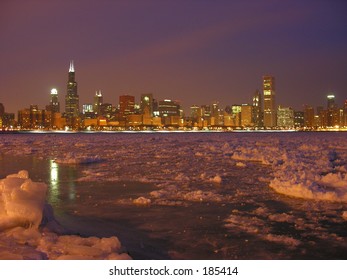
{"x": 270, "y": 110}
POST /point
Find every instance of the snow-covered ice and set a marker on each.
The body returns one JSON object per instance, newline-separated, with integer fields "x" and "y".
{"x": 232, "y": 195}
{"x": 26, "y": 234}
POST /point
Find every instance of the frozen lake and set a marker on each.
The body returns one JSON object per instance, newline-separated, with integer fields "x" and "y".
{"x": 194, "y": 195}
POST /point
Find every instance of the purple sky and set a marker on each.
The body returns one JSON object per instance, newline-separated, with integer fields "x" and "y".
{"x": 196, "y": 52}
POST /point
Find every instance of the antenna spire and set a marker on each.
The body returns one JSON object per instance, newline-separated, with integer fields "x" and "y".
{"x": 71, "y": 69}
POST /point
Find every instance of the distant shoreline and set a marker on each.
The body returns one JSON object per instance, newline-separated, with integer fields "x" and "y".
{"x": 161, "y": 131}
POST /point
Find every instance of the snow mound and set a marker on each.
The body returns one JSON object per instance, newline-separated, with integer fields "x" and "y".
{"x": 28, "y": 229}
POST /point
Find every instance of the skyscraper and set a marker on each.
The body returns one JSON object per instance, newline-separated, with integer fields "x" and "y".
{"x": 269, "y": 101}
{"x": 126, "y": 105}
{"x": 285, "y": 117}
{"x": 333, "y": 112}
{"x": 257, "y": 118}
{"x": 147, "y": 103}
{"x": 98, "y": 100}
{"x": 309, "y": 116}
{"x": 331, "y": 102}
{"x": 246, "y": 115}
{"x": 71, "y": 98}
{"x": 54, "y": 104}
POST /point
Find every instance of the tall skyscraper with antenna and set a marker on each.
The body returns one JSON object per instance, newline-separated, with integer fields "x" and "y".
{"x": 71, "y": 98}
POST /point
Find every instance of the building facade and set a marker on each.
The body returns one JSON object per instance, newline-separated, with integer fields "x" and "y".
{"x": 146, "y": 104}
{"x": 257, "y": 114}
{"x": 285, "y": 117}
{"x": 98, "y": 100}
{"x": 270, "y": 111}
{"x": 126, "y": 105}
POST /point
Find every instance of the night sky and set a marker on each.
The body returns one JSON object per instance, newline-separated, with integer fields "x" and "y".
{"x": 195, "y": 52}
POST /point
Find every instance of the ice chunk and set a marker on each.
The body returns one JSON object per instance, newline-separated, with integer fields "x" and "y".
{"x": 142, "y": 201}
{"x": 28, "y": 229}
{"x": 21, "y": 201}
{"x": 240, "y": 164}
{"x": 216, "y": 179}
{"x": 78, "y": 159}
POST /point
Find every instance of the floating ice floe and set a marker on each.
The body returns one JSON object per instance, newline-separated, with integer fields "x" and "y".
{"x": 28, "y": 229}
{"x": 142, "y": 201}
{"x": 72, "y": 159}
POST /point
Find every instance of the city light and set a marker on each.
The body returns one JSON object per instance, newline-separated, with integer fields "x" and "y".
{"x": 261, "y": 113}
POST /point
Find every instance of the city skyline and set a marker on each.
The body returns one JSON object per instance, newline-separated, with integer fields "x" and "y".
{"x": 72, "y": 107}
{"x": 262, "y": 113}
{"x": 186, "y": 51}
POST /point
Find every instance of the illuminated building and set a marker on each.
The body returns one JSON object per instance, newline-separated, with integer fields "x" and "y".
{"x": 195, "y": 114}
{"x": 309, "y": 116}
{"x": 71, "y": 98}
{"x": 206, "y": 114}
{"x": 134, "y": 120}
{"x": 98, "y": 100}
{"x": 323, "y": 118}
{"x": 8, "y": 120}
{"x": 217, "y": 115}
{"x": 246, "y": 115}
{"x": 228, "y": 118}
{"x": 299, "y": 119}
{"x": 58, "y": 121}
{"x": 169, "y": 111}
{"x": 236, "y": 113}
{"x": 269, "y": 102}
{"x": 106, "y": 110}
{"x": 168, "y": 107}
{"x": 257, "y": 116}
{"x": 88, "y": 111}
{"x": 285, "y": 117}
{"x": 333, "y": 112}
{"x": 54, "y": 105}
{"x": 214, "y": 109}
{"x": 126, "y": 105}
{"x": 24, "y": 119}
{"x": 34, "y": 118}
{"x": 331, "y": 102}
{"x": 146, "y": 103}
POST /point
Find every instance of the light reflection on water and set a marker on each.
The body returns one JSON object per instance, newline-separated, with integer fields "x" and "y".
{"x": 54, "y": 172}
